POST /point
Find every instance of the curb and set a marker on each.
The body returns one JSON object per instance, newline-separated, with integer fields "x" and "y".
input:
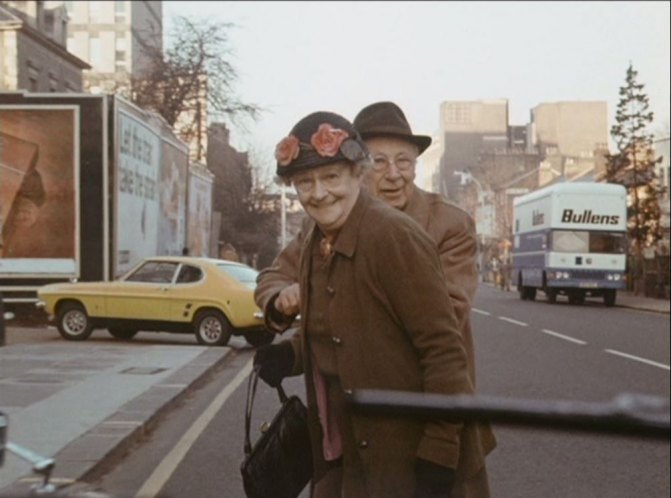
{"x": 89, "y": 456}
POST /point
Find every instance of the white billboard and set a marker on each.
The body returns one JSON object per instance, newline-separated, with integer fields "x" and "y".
{"x": 137, "y": 191}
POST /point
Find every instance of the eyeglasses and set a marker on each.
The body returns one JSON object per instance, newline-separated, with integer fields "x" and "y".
{"x": 329, "y": 179}
{"x": 403, "y": 163}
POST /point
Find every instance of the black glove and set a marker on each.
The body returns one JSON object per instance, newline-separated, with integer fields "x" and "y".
{"x": 275, "y": 362}
{"x": 433, "y": 480}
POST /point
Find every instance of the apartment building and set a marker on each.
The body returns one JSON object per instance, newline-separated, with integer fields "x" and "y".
{"x": 109, "y": 35}
{"x": 468, "y": 128}
{"x": 33, "y": 53}
{"x": 572, "y": 136}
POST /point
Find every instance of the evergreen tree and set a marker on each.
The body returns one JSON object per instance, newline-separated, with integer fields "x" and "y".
{"x": 634, "y": 165}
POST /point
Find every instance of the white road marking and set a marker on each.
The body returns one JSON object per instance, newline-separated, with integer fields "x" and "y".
{"x": 167, "y": 467}
{"x": 481, "y": 312}
{"x": 637, "y": 358}
{"x": 511, "y": 320}
{"x": 562, "y": 336}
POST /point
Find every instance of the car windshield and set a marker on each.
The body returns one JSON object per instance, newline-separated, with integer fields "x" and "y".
{"x": 243, "y": 274}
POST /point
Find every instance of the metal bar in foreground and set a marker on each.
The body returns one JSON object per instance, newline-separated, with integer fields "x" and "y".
{"x": 626, "y": 415}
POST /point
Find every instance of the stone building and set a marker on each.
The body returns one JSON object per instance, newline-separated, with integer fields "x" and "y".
{"x": 109, "y": 35}
{"x": 33, "y": 53}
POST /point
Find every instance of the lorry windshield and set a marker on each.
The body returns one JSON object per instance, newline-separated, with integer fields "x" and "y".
{"x": 590, "y": 242}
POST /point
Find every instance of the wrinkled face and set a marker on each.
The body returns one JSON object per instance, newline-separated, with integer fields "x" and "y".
{"x": 328, "y": 193}
{"x": 393, "y": 172}
{"x": 26, "y": 212}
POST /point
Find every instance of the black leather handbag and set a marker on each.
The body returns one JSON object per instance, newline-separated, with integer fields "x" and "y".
{"x": 279, "y": 465}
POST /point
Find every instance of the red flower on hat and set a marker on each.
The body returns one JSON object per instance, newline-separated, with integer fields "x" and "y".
{"x": 287, "y": 150}
{"x": 327, "y": 139}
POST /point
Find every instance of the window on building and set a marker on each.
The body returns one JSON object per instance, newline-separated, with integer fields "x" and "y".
{"x": 53, "y": 83}
{"x": 119, "y": 7}
{"x": 69, "y": 6}
{"x": 95, "y": 52}
{"x": 49, "y": 22}
{"x": 33, "y": 76}
{"x": 94, "y": 11}
{"x": 121, "y": 47}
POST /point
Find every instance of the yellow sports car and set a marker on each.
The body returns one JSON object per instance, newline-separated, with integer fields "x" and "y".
{"x": 211, "y": 298}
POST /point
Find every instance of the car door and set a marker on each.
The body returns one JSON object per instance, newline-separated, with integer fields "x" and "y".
{"x": 143, "y": 294}
{"x": 187, "y": 293}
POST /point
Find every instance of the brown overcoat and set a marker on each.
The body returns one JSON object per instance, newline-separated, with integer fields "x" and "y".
{"x": 390, "y": 305}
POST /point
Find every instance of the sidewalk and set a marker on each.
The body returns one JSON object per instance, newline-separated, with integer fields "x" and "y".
{"x": 84, "y": 404}
{"x": 628, "y": 300}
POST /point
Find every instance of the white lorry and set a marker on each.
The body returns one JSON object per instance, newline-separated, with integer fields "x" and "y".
{"x": 570, "y": 239}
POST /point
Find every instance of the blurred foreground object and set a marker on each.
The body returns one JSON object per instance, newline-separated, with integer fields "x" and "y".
{"x": 626, "y": 415}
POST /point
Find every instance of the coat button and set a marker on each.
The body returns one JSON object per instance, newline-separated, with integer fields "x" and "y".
{"x": 348, "y": 392}
{"x": 363, "y": 444}
{"x": 336, "y": 340}
{"x": 330, "y": 290}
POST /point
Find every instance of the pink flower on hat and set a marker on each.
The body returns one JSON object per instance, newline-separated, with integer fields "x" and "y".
{"x": 287, "y": 150}
{"x": 327, "y": 139}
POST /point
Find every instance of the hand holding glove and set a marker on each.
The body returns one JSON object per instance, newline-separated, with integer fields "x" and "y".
{"x": 275, "y": 362}
{"x": 433, "y": 480}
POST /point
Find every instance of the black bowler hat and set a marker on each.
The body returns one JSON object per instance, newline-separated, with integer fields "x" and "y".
{"x": 319, "y": 139}
{"x": 386, "y": 119}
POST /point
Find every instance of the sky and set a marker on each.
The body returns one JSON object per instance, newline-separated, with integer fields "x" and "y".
{"x": 294, "y": 58}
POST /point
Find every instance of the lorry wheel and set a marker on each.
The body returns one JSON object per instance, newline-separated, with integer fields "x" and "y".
{"x": 531, "y": 293}
{"x": 523, "y": 292}
{"x": 73, "y": 322}
{"x": 609, "y": 297}
{"x": 258, "y": 338}
{"x": 551, "y": 295}
{"x": 212, "y": 328}
{"x": 122, "y": 334}
{"x": 576, "y": 298}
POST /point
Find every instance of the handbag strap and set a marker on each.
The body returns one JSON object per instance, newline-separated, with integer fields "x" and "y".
{"x": 251, "y": 393}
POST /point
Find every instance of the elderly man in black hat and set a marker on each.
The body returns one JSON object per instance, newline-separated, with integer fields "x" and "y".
{"x": 364, "y": 271}
{"x": 394, "y": 150}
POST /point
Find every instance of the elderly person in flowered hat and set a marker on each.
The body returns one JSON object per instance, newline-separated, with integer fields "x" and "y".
{"x": 376, "y": 314}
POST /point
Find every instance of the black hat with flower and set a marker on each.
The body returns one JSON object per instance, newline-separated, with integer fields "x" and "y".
{"x": 319, "y": 139}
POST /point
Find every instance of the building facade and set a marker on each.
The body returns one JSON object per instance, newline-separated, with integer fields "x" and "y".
{"x": 33, "y": 53}
{"x": 661, "y": 146}
{"x": 468, "y": 128}
{"x": 109, "y": 35}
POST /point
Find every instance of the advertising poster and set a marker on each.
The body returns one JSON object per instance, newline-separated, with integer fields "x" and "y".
{"x": 172, "y": 194}
{"x": 137, "y": 192}
{"x": 38, "y": 190}
{"x": 200, "y": 214}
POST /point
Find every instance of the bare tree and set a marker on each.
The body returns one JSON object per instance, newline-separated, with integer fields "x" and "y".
{"x": 193, "y": 80}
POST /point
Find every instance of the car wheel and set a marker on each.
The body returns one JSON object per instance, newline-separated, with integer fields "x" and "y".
{"x": 122, "y": 334}
{"x": 73, "y": 322}
{"x": 258, "y": 338}
{"x": 212, "y": 328}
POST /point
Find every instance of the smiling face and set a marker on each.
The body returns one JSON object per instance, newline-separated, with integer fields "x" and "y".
{"x": 328, "y": 193}
{"x": 393, "y": 173}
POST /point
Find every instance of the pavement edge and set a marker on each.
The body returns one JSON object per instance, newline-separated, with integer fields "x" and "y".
{"x": 89, "y": 456}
